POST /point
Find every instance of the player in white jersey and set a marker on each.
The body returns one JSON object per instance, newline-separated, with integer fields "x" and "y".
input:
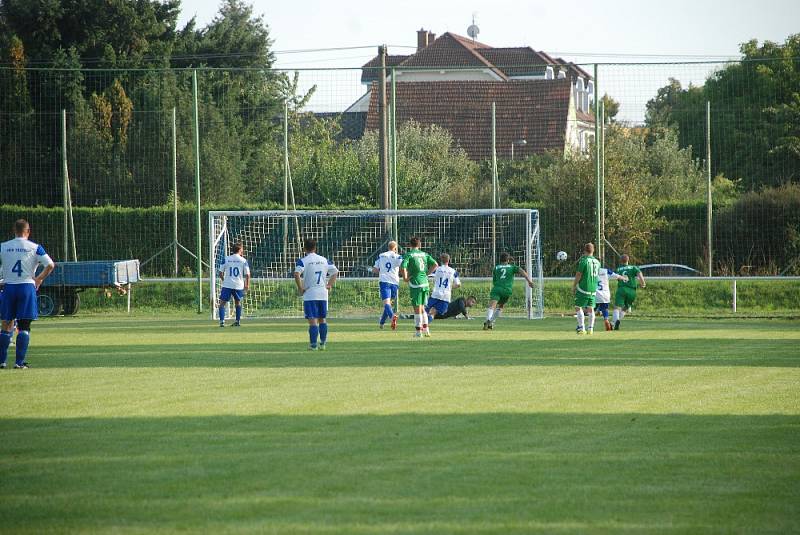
{"x": 19, "y": 259}
{"x": 445, "y": 279}
{"x": 314, "y": 275}
{"x": 235, "y": 275}
{"x": 603, "y": 294}
{"x": 387, "y": 267}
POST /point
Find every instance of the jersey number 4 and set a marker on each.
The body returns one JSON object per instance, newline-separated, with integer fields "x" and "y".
{"x": 17, "y": 268}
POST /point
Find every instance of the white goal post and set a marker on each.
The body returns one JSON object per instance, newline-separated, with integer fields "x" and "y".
{"x": 353, "y": 239}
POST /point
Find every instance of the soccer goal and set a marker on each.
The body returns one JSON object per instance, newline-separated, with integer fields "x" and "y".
{"x": 273, "y": 241}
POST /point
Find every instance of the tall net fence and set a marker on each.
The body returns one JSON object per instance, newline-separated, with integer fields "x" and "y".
{"x": 104, "y": 162}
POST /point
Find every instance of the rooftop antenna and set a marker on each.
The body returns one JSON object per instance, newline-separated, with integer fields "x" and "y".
{"x": 473, "y": 29}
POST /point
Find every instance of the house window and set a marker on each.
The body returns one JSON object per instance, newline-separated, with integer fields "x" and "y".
{"x": 579, "y": 93}
{"x": 548, "y": 73}
{"x": 562, "y": 74}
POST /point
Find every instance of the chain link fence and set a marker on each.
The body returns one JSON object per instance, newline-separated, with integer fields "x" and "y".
{"x": 692, "y": 164}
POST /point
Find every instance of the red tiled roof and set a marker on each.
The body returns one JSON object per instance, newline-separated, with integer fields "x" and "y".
{"x": 517, "y": 61}
{"x": 451, "y": 50}
{"x": 534, "y": 110}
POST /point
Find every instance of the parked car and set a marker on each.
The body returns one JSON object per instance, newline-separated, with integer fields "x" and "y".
{"x": 669, "y": 270}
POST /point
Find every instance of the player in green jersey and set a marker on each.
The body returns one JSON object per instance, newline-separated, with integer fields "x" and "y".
{"x": 626, "y": 290}
{"x": 502, "y": 285}
{"x": 585, "y": 287}
{"x": 414, "y": 269}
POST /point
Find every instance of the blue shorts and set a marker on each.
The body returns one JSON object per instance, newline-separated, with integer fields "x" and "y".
{"x": 603, "y": 308}
{"x": 226, "y": 293}
{"x": 315, "y": 309}
{"x": 438, "y": 305}
{"x": 388, "y": 290}
{"x": 19, "y": 302}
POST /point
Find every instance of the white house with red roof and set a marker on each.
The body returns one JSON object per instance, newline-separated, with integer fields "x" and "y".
{"x": 452, "y": 81}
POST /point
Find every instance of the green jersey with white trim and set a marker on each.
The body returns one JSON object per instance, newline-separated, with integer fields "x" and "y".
{"x": 589, "y": 268}
{"x": 503, "y": 276}
{"x": 417, "y": 263}
{"x": 631, "y": 272}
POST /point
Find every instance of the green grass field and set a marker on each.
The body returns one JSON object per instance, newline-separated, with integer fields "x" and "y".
{"x": 147, "y": 425}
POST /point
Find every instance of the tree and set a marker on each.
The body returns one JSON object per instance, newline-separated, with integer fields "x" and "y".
{"x": 611, "y": 108}
{"x": 755, "y": 106}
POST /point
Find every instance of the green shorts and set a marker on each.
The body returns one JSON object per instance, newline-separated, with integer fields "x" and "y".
{"x": 583, "y": 300}
{"x": 500, "y": 295}
{"x": 419, "y": 296}
{"x": 624, "y": 297}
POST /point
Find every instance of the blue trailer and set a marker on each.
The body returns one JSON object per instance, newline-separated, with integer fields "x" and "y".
{"x": 59, "y": 293}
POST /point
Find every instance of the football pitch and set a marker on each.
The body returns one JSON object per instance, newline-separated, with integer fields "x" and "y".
{"x": 161, "y": 425}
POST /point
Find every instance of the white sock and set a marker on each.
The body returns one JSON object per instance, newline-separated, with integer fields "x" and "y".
{"x": 580, "y": 318}
{"x": 616, "y": 315}
{"x": 621, "y": 314}
{"x": 417, "y": 321}
{"x": 497, "y": 312}
{"x": 489, "y": 314}
{"x": 591, "y": 321}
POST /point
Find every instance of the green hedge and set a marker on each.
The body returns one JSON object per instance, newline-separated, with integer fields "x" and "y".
{"x": 757, "y": 234}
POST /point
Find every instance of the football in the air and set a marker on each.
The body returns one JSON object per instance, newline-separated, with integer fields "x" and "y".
{"x": 561, "y": 256}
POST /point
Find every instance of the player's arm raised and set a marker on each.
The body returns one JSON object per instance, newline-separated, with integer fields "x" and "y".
{"x": 527, "y": 277}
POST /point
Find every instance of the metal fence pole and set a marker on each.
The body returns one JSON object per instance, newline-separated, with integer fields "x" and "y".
{"x": 709, "y": 208}
{"x": 494, "y": 183}
{"x": 597, "y": 142}
{"x": 285, "y": 173}
{"x": 65, "y": 183}
{"x": 393, "y": 114}
{"x": 197, "y": 194}
{"x": 602, "y": 244}
{"x": 175, "y": 188}
{"x": 383, "y": 204}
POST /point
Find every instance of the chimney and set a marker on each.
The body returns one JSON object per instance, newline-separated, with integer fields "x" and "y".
{"x": 431, "y": 38}
{"x": 422, "y": 39}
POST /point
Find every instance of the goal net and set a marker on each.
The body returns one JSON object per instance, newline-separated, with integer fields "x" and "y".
{"x": 353, "y": 239}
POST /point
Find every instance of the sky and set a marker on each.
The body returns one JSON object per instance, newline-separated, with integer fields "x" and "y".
{"x": 581, "y": 31}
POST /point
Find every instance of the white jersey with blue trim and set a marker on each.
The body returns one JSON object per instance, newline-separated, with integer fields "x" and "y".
{"x": 603, "y": 294}
{"x": 315, "y": 271}
{"x": 233, "y": 271}
{"x": 445, "y": 279}
{"x": 388, "y": 264}
{"x": 19, "y": 259}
